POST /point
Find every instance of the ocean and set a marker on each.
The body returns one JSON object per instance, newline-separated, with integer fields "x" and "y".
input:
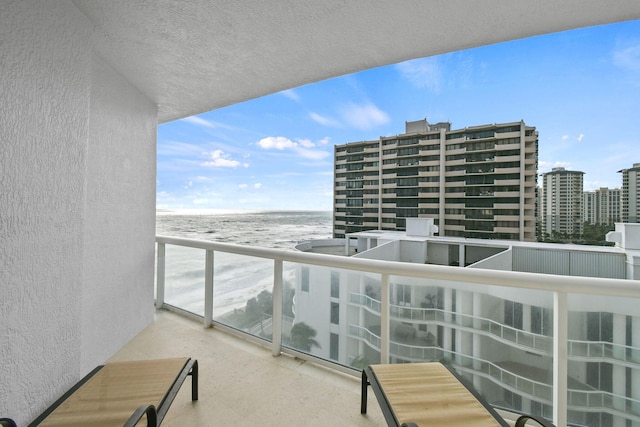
{"x": 272, "y": 229}
{"x": 236, "y": 278}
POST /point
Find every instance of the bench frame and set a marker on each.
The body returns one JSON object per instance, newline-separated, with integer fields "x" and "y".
{"x": 154, "y": 415}
{"x": 369, "y": 379}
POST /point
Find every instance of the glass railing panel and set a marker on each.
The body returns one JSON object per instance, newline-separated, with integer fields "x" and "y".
{"x": 486, "y": 332}
{"x": 336, "y": 314}
{"x": 243, "y": 293}
{"x": 604, "y": 368}
{"x": 184, "y": 278}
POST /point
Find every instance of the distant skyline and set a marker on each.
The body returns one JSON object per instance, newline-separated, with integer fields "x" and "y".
{"x": 580, "y": 89}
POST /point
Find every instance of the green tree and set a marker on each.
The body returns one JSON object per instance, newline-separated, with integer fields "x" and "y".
{"x": 303, "y": 337}
{"x": 265, "y": 302}
{"x": 360, "y": 362}
{"x": 252, "y": 310}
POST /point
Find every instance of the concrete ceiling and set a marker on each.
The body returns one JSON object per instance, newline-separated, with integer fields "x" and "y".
{"x": 195, "y": 56}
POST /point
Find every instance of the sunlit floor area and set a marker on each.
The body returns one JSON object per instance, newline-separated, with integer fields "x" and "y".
{"x": 242, "y": 384}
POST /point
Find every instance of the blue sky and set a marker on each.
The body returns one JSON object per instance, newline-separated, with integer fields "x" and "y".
{"x": 580, "y": 89}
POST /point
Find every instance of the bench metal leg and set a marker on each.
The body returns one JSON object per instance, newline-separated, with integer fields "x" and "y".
{"x": 363, "y": 394}
{"x": 194, "y": 380}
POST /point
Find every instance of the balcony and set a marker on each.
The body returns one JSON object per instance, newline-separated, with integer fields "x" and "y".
{"x": 509, "y": 333}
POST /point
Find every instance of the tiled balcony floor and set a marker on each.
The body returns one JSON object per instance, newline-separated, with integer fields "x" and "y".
{"x": 242, "y": 384}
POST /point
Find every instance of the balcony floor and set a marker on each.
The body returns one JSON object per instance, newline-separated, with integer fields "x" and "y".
{"x": 242, "y": 384}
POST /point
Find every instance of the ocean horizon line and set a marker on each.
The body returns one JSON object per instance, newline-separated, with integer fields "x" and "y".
{"x": 220, "y": 211}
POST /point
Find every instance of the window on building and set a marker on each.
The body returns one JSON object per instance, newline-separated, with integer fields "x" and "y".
{"x": 403, "y": 294}
{"x": 335, "y": 313}
{"x": 600, "y": 375}
{"x": 513, "y": 314}
{"x": 334, "y": 349}
{"x": 514, "y": 400}
{"x": 541, "y": 321}
{"x": 600, "y": 327}
{"x": 335, "y": 284}
{"x": 304, "y": 279}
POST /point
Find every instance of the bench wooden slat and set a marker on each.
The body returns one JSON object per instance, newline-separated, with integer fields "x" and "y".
{"x": 111, "y": 396}
{"x": 427, "y": 394}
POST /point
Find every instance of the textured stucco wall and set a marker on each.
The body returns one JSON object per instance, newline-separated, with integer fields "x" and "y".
{"x": 119, "y": 225}
{"x": 67, "y": 231}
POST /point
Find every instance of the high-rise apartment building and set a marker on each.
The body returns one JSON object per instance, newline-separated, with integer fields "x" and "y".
{"x": 630, "y": 198}
{"x": 601, "y": 206}
{"x": 590, "y": 207}
{"x": 476, "y": 182}
{"x": 561, "y": 202}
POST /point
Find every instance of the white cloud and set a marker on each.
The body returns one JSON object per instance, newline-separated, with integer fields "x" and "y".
{"x": 202, "y": 179}
{"x": 422, "y": 73}
{"x": 324, "y": 141}
{"x": 200, "y": 201}
{"x": 546, "y": 166}
{"x": 178, "y": 149}
{"x": 221, "y": 160}
{"x": 302, "y": 147}
{"x": 364, "y": 116}
{"x": 325, "y": 121}
{"x": 579, "y": 138}
{"x": 291, "y": 94}
{"x": 628, "y": 56}
{"x": 276, "y": 142}
{"x": 199, "y": 121}
{"x": 256, "y": 186}
{"x": 306, "y": 143}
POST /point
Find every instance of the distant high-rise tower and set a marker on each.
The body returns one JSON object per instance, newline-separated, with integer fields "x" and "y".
{"x": 630, "y": 194}
{"x": 601, "y": 206}
{"x": 561, "y": 202}
{"x": 476, "y": 182}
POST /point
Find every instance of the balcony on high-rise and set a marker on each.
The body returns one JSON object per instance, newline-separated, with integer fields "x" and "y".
{"x": 84, "y": 85}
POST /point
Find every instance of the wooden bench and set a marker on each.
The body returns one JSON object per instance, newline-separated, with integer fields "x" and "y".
{"x": 430, "y": 394}
{"x": 122, "y": 393}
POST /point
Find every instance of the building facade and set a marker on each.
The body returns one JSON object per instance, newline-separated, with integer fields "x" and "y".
{"x": 561, "y": 202}
{"x": 500, "y": 339}
{"x": 476, "y": 182}
{"x": 630, "y": 198}
{"x": 602, "y": 206}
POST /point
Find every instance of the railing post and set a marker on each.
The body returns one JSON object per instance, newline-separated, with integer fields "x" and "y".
{"x": 384, "y": 318}
{"x": 160, "y": 272}
{"x": 276, "y": 320}
{"x": 560, "y": 358}
{"x": 208, "y": 289}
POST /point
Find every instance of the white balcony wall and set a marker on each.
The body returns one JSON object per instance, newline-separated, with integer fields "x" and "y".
{"x": 77, "y": 172}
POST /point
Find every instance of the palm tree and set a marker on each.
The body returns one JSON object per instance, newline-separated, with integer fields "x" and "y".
{"x": 302, "y": 337}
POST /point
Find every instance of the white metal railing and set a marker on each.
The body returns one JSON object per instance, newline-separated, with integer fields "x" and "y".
{"x": 533, "y": 341}
{"x": 558, "y": 286}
